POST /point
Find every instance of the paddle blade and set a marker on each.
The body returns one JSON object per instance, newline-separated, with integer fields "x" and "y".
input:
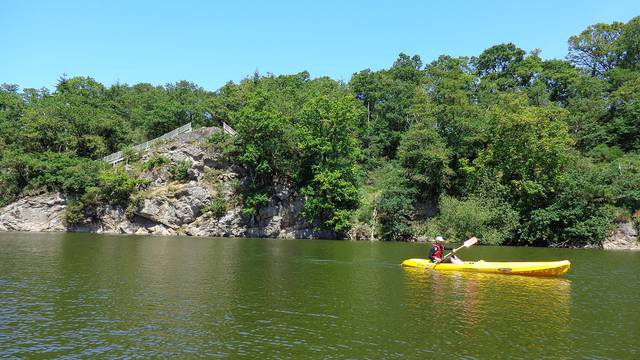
{"x": 470, "y": 242}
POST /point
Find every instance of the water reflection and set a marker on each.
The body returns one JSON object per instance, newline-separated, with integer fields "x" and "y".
{"x": 78, "y": 295}
{"x": 479, "y": 307}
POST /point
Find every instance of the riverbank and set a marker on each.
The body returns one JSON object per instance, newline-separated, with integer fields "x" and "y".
{"x": 205, "y": 200}
{"x": 176, "y": 214}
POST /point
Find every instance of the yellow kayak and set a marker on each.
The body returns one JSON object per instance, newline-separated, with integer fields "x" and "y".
{"x": 538, "y": 268}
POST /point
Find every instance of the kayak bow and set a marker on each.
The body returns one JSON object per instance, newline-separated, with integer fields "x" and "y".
{"x": 539, "y": 268}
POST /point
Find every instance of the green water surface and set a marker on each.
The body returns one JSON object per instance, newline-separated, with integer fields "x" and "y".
{"x": 97, "y": 296}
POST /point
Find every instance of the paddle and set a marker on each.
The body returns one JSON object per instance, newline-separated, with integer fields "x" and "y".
{"x": 466, "y": 244}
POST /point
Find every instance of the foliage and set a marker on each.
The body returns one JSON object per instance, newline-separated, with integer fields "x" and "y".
{"x": 491, "y": 220}
{"x": 580, "y": 213}
{"x": 154, "y": 162}
{"x": 424, "y": 154}
{"x": 529, "y": 150}
{"x": 254, "y": 201}
{"x": 595, "y": 48}
{"x": 180, "y": 170}
{"x": 217, "y": 207}
{"x": 394, "y": 206}
{"x": 48, "y": 171}
{"x": 331, "y": 198}
{"x": 551, "y": 145}
{"x": 116, "y": 186}
{"x": 74, "y": 213}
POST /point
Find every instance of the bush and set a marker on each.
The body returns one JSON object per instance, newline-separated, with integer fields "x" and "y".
{"x": 180, "y": 170}
{"x": 116, "y": 186}
{"x": 394, "y": 205}
{"x": 74, "y": 213}
{"x": 491, "y": 220}
{"x": 131, "y": 155}
{"x": 218, "y": 206}
{"x": 154, "y": 162}
{"x": 136, "y": 203}
{"x": 254, "y": 202}
{"x": 581, "y": 212}
{"x": 50, "y": 171}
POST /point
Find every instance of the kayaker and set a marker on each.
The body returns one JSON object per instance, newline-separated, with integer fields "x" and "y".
{"x": 437, "y": 252}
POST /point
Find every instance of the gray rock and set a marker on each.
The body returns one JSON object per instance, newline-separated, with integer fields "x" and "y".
{"x": 37, "y": 213}
{"x": 177, "y": 209}
{"x": 625, "y": 237}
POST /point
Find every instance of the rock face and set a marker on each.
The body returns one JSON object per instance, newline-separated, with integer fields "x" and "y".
{"x": 625, "y": 237}
{"x": 37, "y": 213}
{"x": 168, "y": 207}
{"x": 178, "y": 208}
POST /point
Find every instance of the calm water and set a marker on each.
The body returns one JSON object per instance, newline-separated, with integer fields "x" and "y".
{"x": 79, "y": 295}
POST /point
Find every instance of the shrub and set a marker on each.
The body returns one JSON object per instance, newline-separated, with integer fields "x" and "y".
{"x": 491, "y": 220}
{"x": 74, "y": 213}
{"x": 154, "y": 162}
{"x": 180, "y": 170}
{"x": 255, "y": 201}
{"x": 331, "y": 199}
{"x": 218, "y": 206}
{"x": 50, "y": 171}
{"x": 116, "y": 186}
{"x": 131, "y": 155}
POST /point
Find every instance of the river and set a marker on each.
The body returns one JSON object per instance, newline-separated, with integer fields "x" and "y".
{"x": 86, "y": 295}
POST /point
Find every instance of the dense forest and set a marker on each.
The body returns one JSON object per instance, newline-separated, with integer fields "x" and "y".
{"x": 505, "y": 146}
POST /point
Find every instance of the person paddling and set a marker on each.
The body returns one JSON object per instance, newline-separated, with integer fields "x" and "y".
{"x": 436, "y": 253}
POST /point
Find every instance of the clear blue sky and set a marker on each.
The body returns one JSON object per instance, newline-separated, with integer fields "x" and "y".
{"x": 211, "y": 43}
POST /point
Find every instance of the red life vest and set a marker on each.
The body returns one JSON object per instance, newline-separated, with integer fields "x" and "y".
{"x": 439, "y": 250}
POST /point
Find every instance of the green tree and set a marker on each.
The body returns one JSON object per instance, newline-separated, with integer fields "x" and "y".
{"x": 489, "y": 219}
{"x": 529, "y": 149}
{"x": 424, "y": 155}
{"x": 394, "y": 205}
{"x": 595, "y": 48}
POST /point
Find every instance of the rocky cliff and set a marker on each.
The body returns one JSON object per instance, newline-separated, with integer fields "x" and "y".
{"x": 206, "y": 204}
{"x": 625, "y": 237}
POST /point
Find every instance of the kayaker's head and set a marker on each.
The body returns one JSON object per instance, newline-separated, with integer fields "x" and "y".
{"x": 439, "y": 239}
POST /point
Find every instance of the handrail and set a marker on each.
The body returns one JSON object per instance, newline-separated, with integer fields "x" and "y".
{"x": 228, "y": 129}
{"x": 118, "y": 156}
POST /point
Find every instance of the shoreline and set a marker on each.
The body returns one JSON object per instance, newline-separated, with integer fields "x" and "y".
{"x": 606, "y": 246}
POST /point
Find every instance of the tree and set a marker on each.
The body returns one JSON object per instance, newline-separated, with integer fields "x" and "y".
{"x": 581, "y": 211}
{"x": 529, "y": 149}
{"x": 394, "y": 205}
{"x": 425, "y": 157}
{"x": 595, "y": 48}
{"x": 264, "y": 141}
{"x": 628, "y": 44}
{"x": 500, "y": 64}
{"x": 624, "y": 105}
{"x": 328, "y": 149}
